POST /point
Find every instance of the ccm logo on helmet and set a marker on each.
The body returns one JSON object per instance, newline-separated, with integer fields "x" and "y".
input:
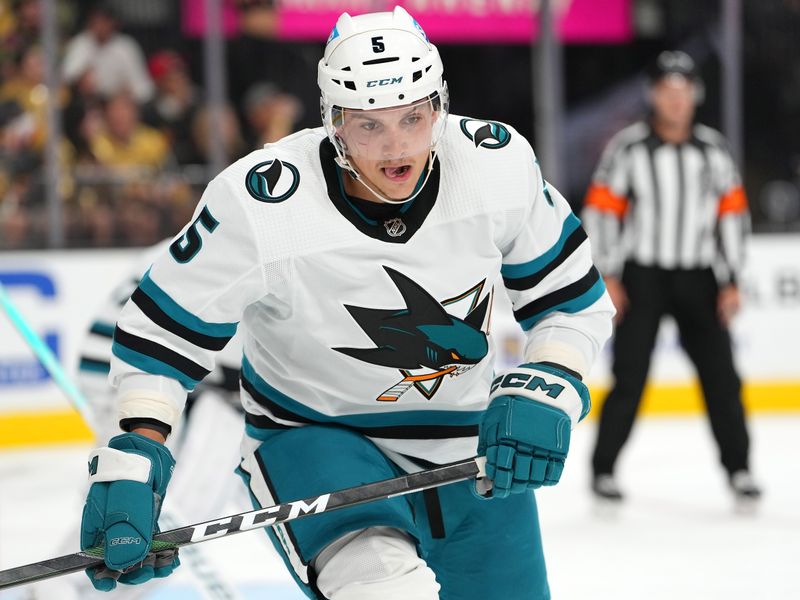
{"x": 387, "y": 81}
{"x": 518, "y": 380}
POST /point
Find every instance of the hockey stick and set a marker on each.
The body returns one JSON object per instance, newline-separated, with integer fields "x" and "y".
{"x": 256, "y": 519}
{"x": 401, "y": 387}
{"x": 47, "y": 358}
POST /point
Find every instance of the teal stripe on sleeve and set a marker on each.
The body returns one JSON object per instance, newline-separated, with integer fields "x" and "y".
{"x": 179, "y": 314}
{"x": 572, "y": 306}
{"x": 517, "y": 271}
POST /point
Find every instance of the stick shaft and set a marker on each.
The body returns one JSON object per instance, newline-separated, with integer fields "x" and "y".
{"x": 256, "y": 519}
{"x": 46, "y": 357}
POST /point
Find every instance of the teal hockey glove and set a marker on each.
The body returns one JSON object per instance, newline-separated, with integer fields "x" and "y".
{"x": 525, "y": 431}
{"x": 129, "y": 479}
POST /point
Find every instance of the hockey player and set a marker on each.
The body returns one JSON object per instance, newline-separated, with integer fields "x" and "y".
{"x": 362, "y": 259}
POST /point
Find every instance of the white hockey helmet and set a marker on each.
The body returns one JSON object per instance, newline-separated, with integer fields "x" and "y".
{"x": 379, "y": 61}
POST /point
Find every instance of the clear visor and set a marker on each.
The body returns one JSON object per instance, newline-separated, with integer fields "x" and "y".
{"x": 389, "y": 133}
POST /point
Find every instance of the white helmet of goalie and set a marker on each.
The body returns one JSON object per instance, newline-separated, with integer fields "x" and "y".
{"x": 377, "y": 70}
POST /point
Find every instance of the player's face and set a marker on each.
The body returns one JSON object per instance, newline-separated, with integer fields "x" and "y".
{"x": 389, "y": 147}
{"x": 673, "y": 99}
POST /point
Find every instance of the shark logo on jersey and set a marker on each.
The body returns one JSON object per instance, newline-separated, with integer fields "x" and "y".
{"x": 272, "y": 180}
{"x": 486, "y": 134}
{"x": 423, "y": 340}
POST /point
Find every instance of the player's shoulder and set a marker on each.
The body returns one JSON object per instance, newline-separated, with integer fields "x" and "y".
{"x": 709, "y": 136}
{"x": 491, "y": 149}
{"x": 629, "y": 135}
{"x": 273, "y": 173}
{"x": 484, "y": 137}
{"x": 488, "y": 160}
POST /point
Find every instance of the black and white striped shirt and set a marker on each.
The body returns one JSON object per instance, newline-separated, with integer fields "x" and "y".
{"x": 674, "y": 206}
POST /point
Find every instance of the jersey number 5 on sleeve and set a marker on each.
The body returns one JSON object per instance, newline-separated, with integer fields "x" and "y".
{"x": 184, "y": 248}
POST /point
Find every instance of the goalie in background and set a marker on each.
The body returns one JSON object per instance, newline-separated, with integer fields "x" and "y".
{"x": 361, "y": 258}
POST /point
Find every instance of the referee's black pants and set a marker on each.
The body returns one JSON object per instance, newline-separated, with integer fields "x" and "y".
{"x": 690, "y": 296}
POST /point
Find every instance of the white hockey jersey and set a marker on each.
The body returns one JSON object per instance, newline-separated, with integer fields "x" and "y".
{"x": 376, "y": 323}
{"x": 95, "y": 350}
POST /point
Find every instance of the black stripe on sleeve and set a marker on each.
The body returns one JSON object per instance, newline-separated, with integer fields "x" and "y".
{"x": 155, "y": 350}
{"x": 575, "y": 239}
{"x": 162, "y": 319}
{"x": 565, "y": 294}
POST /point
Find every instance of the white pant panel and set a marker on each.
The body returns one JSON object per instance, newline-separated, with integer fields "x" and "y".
{"x": 377, "y": 563}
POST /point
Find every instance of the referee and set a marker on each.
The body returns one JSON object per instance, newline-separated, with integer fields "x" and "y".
{"x": 667, "y": 218}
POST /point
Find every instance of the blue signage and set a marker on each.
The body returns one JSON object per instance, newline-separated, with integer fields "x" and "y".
{"x": 26, "y": 369}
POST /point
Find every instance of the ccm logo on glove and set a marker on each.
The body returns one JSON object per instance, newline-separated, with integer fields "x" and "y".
{"x": 534, "y": 382}
{"x": 124, "y": 540}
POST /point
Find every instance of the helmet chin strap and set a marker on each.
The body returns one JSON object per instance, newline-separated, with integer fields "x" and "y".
{"x": 345, "y": 164}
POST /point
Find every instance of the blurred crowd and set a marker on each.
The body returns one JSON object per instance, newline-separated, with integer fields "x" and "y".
{"x": 138, "y": 142}
{"x": 135, "y": 146}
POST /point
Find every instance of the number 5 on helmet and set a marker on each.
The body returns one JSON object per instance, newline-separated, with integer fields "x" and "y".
{"x": 525, "y": 432}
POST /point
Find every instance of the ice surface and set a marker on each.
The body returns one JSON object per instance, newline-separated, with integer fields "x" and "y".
{"x": 677, "y": 536}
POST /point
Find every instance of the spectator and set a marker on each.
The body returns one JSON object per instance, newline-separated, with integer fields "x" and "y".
{"x": 291, "y": 66}
{"x": 175, "y": 104}
{"x": 83, "y": 115}
{"x": 270, "y": 113}
{"x": 140, "y": 216}
{"x": 27, "y": 89}
{"x": 230, "y": 135}
{"x": 16, "y": 229}
{"x": 124, "y": 141}
{"x": 116, "y": 58}
{"x": 23, "y": 123}
{"x": 19, "y": 29}
{"x": 96, "y": 219}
